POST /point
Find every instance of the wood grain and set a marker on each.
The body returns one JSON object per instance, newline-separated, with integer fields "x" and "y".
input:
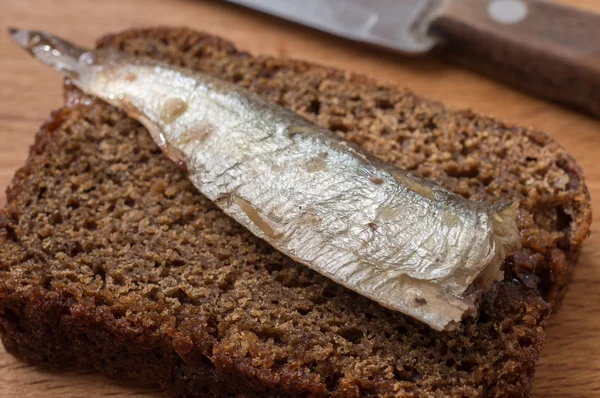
{"x": 559, "y": 60}
{"x": 570, "y": 363}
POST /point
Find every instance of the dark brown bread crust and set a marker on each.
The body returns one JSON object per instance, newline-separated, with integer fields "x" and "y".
{"x": 110, "y": 259}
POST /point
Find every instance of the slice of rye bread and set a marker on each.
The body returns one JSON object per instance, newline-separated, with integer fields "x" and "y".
{"x": 110, "y": 259}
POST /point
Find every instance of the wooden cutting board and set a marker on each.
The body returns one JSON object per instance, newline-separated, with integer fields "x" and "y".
{"x": 570, "y": 362}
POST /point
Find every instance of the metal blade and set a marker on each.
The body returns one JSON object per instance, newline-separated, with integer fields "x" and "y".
{"x": 400, "y": 25}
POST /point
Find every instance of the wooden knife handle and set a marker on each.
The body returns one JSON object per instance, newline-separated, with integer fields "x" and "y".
{"x": 544, "y": 48}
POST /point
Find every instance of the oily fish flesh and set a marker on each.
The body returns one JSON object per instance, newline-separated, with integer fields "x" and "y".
{"x": 398, "y": 239}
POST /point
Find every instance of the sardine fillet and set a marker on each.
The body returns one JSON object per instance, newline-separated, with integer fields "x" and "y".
{"x": 396, "y": 238}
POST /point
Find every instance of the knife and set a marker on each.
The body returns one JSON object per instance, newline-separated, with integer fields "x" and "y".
{"x": 547, "y": 49}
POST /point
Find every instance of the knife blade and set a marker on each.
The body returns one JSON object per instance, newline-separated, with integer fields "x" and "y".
{"x": 546, "y": 49}
{"x": 399, "y": 25}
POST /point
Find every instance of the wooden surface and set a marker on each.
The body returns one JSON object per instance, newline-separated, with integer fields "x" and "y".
{"x": 570, "y": 363}
{"x": 550, "y": 60}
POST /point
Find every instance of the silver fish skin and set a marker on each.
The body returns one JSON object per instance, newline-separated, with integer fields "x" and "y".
{"x": 396, "y": 238}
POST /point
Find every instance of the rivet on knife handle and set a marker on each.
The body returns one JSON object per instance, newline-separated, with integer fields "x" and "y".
{"x": 547, "y": 49}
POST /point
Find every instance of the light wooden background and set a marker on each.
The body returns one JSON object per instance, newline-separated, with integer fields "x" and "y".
{"x": 570, "y": 363}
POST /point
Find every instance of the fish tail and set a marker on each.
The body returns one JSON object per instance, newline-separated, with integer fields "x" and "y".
{"x": 53, "y": 51}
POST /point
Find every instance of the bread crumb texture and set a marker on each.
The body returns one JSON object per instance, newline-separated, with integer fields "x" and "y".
{"x": 110, "y": 259}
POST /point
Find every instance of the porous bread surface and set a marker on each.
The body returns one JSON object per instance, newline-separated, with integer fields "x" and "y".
{"x": 110, "y": 259}
{"x": 476, "y": 156}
